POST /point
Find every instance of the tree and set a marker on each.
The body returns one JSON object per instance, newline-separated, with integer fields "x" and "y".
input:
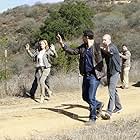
{"x": 70, "y": 20}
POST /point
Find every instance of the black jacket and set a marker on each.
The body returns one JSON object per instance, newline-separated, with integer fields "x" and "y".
{"x": 97, "y": 58}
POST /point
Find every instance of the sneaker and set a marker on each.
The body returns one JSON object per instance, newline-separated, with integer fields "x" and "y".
{"x": 117, "y": 110}
{"x": 49, "y": 93}
{"x": 47, "y": 98}
{"x": 29, "y": 95}
{"x": 90, "y": 122}
{"x": 99, "y": 110}
{"x": 32, "y": 97}
{"x": 107, "y": 116}
{"x": 124, "y": 87}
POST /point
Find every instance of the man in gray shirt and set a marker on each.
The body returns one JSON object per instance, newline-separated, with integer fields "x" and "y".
{"x": 126, "y": 64}
{"x": 112, "y": 58}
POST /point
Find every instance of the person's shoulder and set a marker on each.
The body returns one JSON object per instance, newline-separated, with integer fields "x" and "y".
{"x": 128, "y": 52}
{"x": 82, "y": 46}
{"x": 113, "y": 46}
{"x": 114, "y": 49}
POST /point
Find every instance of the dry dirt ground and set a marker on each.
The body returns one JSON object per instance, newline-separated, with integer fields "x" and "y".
{"x": 23, "y": 117}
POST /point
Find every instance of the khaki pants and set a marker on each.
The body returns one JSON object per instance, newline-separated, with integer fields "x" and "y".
{"x": 41, "y": 76}
{"x": 125, "y": 77}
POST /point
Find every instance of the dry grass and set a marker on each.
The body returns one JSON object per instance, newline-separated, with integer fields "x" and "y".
{"x": 127, "y": 128}
{"x": 135, "y": 71}
{"x": 19, "y": 84}
{"x": 16, "y": 86}
{"x": 67, "y": 82}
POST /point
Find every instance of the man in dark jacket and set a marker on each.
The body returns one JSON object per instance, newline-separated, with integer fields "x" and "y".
{"x": 91, "y": 68}
{"x": 111, "y": 55}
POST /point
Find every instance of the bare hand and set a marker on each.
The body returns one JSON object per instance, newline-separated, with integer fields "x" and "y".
{"x": 59, "y": 38}
{"x": 120, "y": 54}
{"x": 103, "y": 47}
{"x": 27, "y": 46}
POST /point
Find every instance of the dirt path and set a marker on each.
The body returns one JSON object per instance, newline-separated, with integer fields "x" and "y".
{"x": 65, "y": 111}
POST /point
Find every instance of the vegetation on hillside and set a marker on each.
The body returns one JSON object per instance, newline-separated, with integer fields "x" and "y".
{"x": 25, "y": 24}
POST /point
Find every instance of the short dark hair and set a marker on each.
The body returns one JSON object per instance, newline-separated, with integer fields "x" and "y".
{"x": 124, "y": 45}
{"x": 88, "y": 33}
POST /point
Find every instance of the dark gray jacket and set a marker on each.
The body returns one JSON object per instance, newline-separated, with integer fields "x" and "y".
{"x": 112, "y": 60}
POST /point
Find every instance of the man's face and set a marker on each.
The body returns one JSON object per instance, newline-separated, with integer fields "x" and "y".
{"x": 124, "y": 48}
{"x": 106, "y": 40}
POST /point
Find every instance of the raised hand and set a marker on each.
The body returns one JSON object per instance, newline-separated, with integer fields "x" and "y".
{"x": 59, "y": 38}
{"x": 27, "y": 46}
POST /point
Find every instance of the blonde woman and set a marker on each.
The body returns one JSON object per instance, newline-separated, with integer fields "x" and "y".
{"x": 43, "y": 66}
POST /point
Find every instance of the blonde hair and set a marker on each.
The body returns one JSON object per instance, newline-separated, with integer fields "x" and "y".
{"x": 45, "y": 42}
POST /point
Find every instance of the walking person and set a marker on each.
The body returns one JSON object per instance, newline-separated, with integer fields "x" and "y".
{"x": 91, "y": 68}
{"x": 43, "y": 67}
{"x": 112, "y": 58}
{"x": 126, "y": 64}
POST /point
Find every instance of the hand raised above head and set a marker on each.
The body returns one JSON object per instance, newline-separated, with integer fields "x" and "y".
{"x": 27, "y": 46}
{"x": 59, "y": 38}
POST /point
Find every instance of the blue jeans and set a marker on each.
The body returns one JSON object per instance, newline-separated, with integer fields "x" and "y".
{"x": 114, "y": 100}
{"x": 89, "y": 88}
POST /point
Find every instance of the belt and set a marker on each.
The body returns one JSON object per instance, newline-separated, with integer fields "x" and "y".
{"x": 88, "y": 74}
{"x": 41, "y": 67}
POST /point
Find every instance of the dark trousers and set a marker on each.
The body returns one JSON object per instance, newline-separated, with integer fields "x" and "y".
{"x": 89, "y": 88}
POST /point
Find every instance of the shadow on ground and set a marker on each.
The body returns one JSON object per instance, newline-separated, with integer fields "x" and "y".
{"x": 70, "y": 106}
{"x": 137, "y": 84}
{"x": 68, "y": 113}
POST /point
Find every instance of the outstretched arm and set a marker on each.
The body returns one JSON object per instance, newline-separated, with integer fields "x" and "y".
{"x": 60, "y": 41}
{"x": 27, "y": 47}
{"x": 125, "y": 56}
{"x": 71, "y": 51}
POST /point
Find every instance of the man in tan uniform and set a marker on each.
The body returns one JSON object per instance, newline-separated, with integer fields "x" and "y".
{"x": 126, "y": 64}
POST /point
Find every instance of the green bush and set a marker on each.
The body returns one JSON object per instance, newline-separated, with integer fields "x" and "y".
{"x": 65, "y": 62}
{"x": 5, "y": 74}
{"x": 70, "y": 20}
{"x": 3, "y": 42}
{"x": 78, "y": 15}
{"x": 54, "y": 24}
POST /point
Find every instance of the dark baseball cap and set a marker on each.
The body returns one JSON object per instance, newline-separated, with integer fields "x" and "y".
{"x": 88, "y": 33}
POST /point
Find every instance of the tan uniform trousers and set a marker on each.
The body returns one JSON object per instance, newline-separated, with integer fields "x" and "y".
{"x": 125, "y": 77}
